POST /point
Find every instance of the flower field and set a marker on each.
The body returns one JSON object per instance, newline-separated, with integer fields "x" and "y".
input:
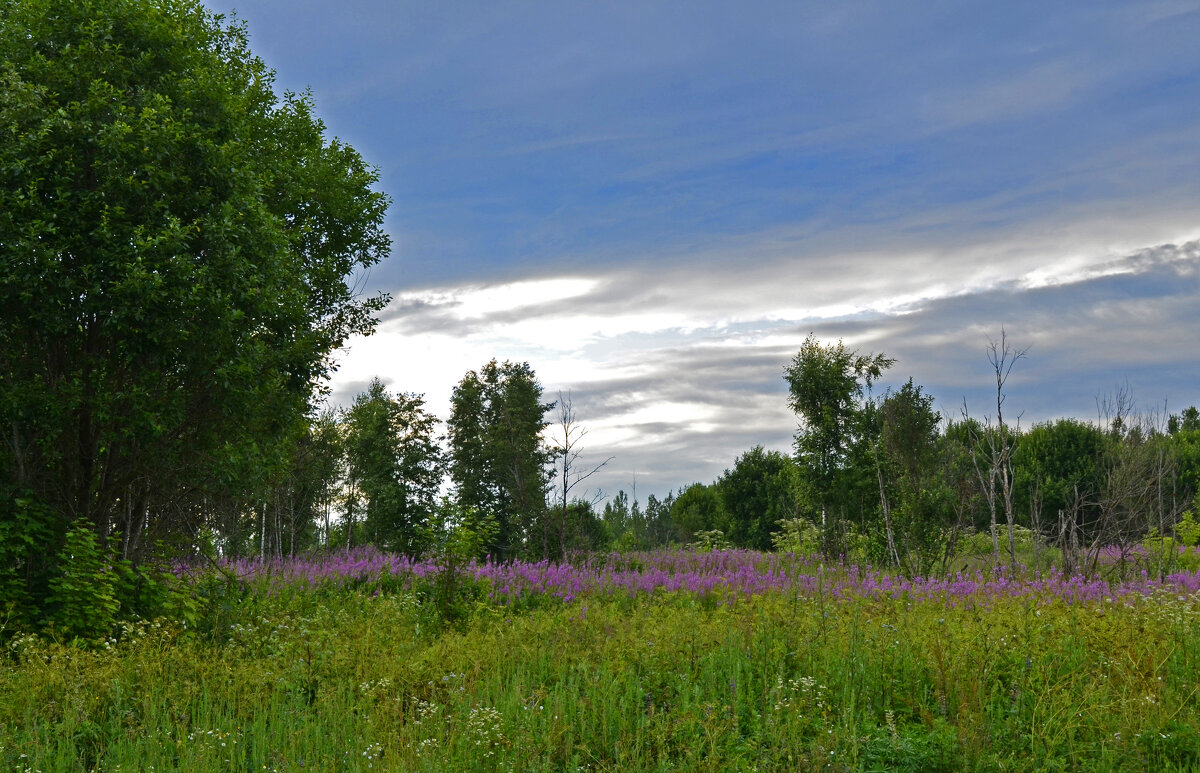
{"x": 730, "y": 660}
{"x": 728, "y": 573}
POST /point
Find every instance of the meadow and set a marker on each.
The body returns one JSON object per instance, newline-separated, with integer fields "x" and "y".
{"x": 663, "y": 661}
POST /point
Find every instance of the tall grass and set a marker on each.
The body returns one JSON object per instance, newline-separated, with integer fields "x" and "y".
{"x": 803, "y": 676}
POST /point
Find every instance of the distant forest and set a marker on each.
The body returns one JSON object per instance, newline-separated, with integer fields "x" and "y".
{"x": 883, "y": 477}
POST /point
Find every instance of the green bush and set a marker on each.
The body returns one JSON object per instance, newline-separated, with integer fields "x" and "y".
{"x": 460, "y": 535}
{"x": 980, "y": 543}
{"x": 797, "y": 535}
{"x": 23, "y": 536}
{"x": 83, "y": 602}
{"x": 710, "y": 540}
{"x": 1188, "y": 530}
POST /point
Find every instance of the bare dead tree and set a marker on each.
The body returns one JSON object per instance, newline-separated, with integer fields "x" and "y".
{"x": 1114, "y": 409}
{"x": 1003, "y": 356}
{"x": 994, "y": 470}
{"x": 885, "y": 505}
{"x": 1035, "y": 519}
{"x": 1136, "y": 468}
{"x": 567, "y": 465}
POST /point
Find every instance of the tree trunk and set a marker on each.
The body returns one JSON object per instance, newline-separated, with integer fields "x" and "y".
{"x": 887, "y": 515}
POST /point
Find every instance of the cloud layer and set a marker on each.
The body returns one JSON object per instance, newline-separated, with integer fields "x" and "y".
{"x": 654, "y": 203}
{"x": 674, "y": 376}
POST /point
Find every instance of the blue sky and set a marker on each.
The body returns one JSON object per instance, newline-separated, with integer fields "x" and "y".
{"x": 654, "y": 203}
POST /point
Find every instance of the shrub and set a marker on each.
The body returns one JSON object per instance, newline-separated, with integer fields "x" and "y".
{"x": 83, "y": 601}
{"x": 711, "y": 540}
{"x": 23, "y": 535}
{"x": 796, "y": 535}
{"x": 1188, "y": 530}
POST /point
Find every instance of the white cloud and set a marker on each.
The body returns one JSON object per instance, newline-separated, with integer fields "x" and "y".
{"x": 479, "y": 301}
{"x": 688, "y": 363}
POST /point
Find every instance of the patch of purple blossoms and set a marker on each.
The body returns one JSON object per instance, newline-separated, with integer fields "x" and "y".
{"x": 721, "y": 575}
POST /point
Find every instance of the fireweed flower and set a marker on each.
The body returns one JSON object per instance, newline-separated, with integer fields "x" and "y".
{"x": 723, "y": 575}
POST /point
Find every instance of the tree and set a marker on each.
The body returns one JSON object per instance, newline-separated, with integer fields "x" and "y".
{"x": 1139, "y": 462}
{"x": 498, "y": 461}
{"x": 958, "y": 449}
{"x": 1185, "y": 445}
{"x": 1058, "y": 477}
{"x": 1002, "y": 357}
{"x": 569, "y": 474}
{"x": 395, "y": 465}
{"x": 758, "y": 493}
{"x": 585, "y": 532}
{"x": 1188, "y": 421}
{"x": 326, "y": 469}
{"x": 617, "y": 518}
{"x": 914, "y": 500}
{"x": 627, "y": 526}
{"x": 296, "y": 496}
{"x": 659, "y": 528}
{"x": 992, "y": 449}
{"x": 826, "y": 386}
{"x": 697, "y": 508}
{"x": 175, "y": 242}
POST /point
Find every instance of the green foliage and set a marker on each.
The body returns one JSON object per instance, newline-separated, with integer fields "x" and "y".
{"x": 826, "y": 384}
{"x": 756, "y": 494}
{"x": 660, "y": 530}
{"x": 357, "y": 681}
{"x": 697, "y": 508}
{"x": 1188, "y": 528}
{"x": 629, "y": 528}
{"x": 1185, "y": 458}
{"x": 176, "y": 243}
{"x": 498, "y": 460}
{"x": 962, "y": 444}
{"x": 25, "y": 531}
{"x": 394, "y": 467}
{"x": 909, "y": 432}
{"x": 796, "y": 535}
{"x": 82, "y": 602}
{"x": 1188, "y": 421}
{"x": 710, "y": 540}
{"x": 459, "y": 535}
{"x": 923, "y": 748}
{"x": 1058, "y": 469}
{"x": 980, "y": 543}
{"x": 1159, "y": 555}
{"x": 575, "y": 530}
{"x": 918, "y": 496}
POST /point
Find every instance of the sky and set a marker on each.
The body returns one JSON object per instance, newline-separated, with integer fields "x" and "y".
{"x": 655, "y": 203}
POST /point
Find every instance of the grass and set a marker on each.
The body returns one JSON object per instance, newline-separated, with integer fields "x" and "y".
{"x": 354, "y": 679}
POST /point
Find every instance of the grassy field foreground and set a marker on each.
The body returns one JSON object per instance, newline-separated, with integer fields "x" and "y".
{"x": 364, "y": 675}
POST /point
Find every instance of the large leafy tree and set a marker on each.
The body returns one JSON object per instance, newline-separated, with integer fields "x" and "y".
{"x": 916, "y": 502}
{"x": 758, "y": 492}
{"x": 1185, "y": 444}
{"x": 498, "y": 460}
{"x": 395, "y": 465}
{"x": 698, "y": 508}
{"x": 175, "y": 243}
{"x": 827, "y": 384}
{"x": 1058, "y": 474}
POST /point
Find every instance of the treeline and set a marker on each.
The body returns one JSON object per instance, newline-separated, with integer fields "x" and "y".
{"x": 882, "y": 476}
{"x": 385, "y": 472}
{"x": 889, "y": 479}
